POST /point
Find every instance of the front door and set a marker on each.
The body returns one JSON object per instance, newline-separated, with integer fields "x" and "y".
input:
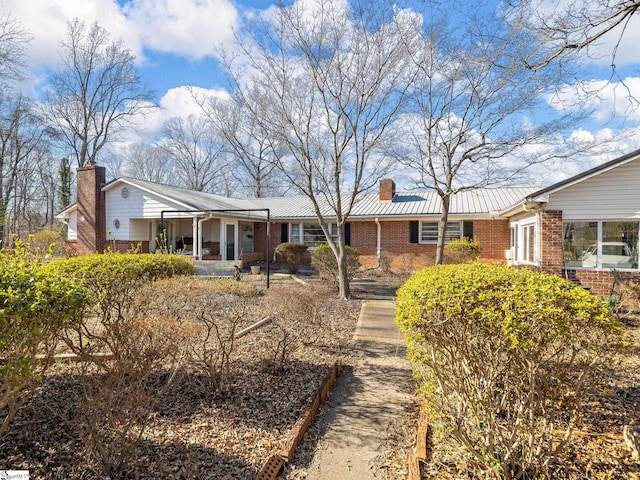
{"x": 230, "y": 241}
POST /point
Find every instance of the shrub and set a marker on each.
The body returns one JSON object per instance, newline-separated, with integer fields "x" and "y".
{"x": 325, "y": 261}
{"x": 48, "y": 241}
{"x": 35, "y": 304}
{"x": 211, "y": 310}
{"x": 505, "y": 357}
{"x": 291, "y": 255}
{"x": 462, "y": 250}
{"x": 296, "y": 319}
{"x": 114, "y": 278}
{"x": 120, "y": 394}
{"x": 384, "y": 261}
{"x": 407, "y": 261}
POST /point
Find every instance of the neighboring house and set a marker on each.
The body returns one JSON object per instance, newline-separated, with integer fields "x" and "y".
{"x": 581, "y": 228}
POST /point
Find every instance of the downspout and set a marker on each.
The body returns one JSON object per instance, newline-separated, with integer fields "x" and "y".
{"x": 378, "y": 237}
{"x": 194, "y": 226}
{"x": 200, "y": 222}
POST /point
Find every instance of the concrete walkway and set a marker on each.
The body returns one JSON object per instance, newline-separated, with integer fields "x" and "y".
{"x": 365, "y": 399}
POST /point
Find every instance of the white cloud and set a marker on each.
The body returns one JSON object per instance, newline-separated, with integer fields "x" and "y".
{"x": 188, "y": 28}
{"x": 46, "y": 23}
{"x": 177, "y": 102}
{"x": 608, "y": 100}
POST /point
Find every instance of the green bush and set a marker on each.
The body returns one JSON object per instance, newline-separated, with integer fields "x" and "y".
{"x": 35, "y": 304}
{"x": 291, "y": 255}
{"x": 114, "y": 278}
{"x": 505, "y": 357}
{"x": 462, "y": 250}
{"x": 324, "y": 260}
{"x": 48, "y": 241}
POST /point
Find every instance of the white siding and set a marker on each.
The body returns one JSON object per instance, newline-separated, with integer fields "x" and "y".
{"x": 139, "y": 205}
{"x": 614, "y": 194}
{"x": 72, "y": 228}
{"x": 139, "y": 230}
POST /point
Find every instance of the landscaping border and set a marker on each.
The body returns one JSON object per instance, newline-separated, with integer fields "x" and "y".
{"x": 274, "y": 463}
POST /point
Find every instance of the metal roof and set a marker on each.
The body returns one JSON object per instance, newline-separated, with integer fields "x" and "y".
{"x": 479, "y": 202}
{"x": 484, "y": 201}
{"x": 190, "y": 199}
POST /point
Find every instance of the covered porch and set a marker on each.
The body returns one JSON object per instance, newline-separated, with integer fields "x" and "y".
{"x": 213, "y": 236}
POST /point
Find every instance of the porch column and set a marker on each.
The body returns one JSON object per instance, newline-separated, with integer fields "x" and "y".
{"x": 195, "y": 235}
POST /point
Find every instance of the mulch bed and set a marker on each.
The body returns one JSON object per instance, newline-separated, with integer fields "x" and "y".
{"x": 192, "y": 434}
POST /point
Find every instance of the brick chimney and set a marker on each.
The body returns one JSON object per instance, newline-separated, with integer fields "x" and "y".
{"x": 387, "y": 190}
{"x": 92, "y": 229}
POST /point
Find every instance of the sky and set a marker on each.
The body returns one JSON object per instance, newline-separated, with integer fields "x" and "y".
{"x": 174, "y": 43}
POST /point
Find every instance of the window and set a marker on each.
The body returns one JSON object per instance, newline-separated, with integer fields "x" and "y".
{"x": 600, "y": 244}
{"x": 529, "y": 239}
{"x": 523, "y": 241}
{"x": 429, "y": 232}
{"x": 312, "y": 233}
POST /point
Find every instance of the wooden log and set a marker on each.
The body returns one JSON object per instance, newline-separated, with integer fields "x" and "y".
{"x": 414, "y": 468}
{"x": 421, "y": 437}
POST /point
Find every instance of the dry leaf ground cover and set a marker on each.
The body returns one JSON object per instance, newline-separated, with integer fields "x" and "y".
{"x": 597, "y": 449}
{"x": 190, "y": 432}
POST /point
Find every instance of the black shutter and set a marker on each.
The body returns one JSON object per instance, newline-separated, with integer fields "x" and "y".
{"x": 467, "y": 230}
{"x": 414, "y": 231}
{"x": 284, "y": 232}
{"x": 347, "y": 234}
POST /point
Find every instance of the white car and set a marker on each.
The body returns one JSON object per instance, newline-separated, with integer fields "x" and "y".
{"x": 614, "y": 255}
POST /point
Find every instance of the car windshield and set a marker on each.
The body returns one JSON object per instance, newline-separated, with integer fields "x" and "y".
{"x": 620, "y": 250}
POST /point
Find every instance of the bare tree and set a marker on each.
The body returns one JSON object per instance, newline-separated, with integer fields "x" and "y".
{"x": 571, "y": 26}
{"x": 13, "y": 42}
{"x": 146, "y": 162}
{"x": 195, "y": 151}
{"x": 22, "y": 135}
{"x": 325, "y": 82}
{"x": 97, "y": 92}
{"x": 254, "y": 153}
{"x": 472, "y": 108}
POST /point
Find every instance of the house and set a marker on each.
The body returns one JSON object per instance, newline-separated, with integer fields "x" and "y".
{"x": 584, "y": 227}
{"x": 581, "y": 228}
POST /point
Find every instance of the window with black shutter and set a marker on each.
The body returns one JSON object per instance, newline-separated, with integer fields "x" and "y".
{"x": 414, "y": 231}
{"x": 467, "y": 230}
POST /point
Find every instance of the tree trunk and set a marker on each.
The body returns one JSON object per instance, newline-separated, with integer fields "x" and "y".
{"x": 344, "y": 292}
{"x": 442, "y": 228}
{"x": 343, "y": 275}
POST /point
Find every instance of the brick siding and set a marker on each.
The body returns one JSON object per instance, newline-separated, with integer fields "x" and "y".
{"x": 493, "y": 236}
{"x": 551, "y": 241}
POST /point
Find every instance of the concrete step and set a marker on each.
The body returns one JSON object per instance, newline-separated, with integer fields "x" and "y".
{"x": 217, "y": 268}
